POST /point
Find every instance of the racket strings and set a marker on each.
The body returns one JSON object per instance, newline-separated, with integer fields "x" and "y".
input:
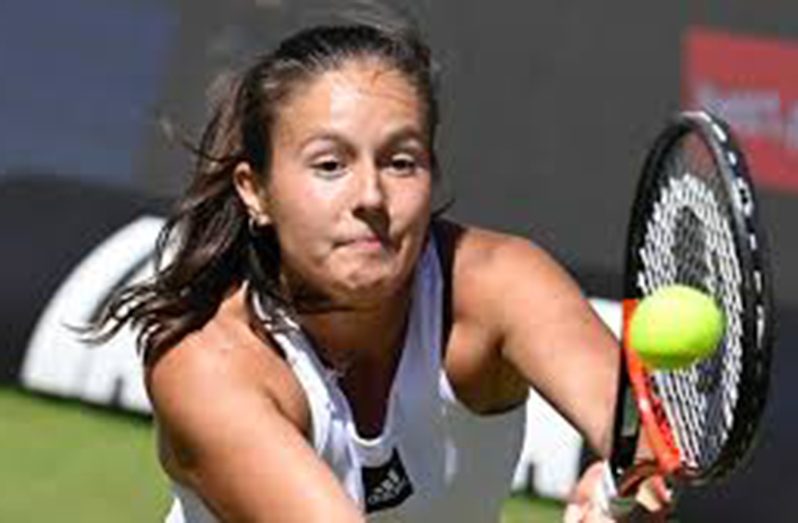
{"x": 722, "y": 280}
{"x": 689, "y": 240}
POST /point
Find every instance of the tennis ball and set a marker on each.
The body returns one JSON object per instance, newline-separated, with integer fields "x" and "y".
{"x": 675, "y": 326}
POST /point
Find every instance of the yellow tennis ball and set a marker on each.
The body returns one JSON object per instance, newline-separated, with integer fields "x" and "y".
{"x": 675, "y": 326}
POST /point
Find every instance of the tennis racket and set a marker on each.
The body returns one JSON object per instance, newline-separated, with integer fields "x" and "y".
{"x": 694, "y": 222}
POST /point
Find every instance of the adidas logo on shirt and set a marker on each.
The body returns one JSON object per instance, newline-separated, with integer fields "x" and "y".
{"x": 390, "y": 488}
{"x": 386, "y": 486}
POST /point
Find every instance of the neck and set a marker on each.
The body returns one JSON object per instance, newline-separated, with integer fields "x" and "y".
{"x": 368, "y": 338}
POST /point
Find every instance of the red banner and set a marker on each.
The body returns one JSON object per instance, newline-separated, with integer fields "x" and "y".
{"x": 753, "y": 84}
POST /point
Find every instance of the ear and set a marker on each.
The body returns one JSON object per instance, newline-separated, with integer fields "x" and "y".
{"x": 251, "y": 193}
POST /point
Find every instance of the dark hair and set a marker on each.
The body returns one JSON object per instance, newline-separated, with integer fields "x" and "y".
{"x": 207, "y": 246}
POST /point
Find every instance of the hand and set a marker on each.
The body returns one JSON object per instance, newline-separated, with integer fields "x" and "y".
{"x": 652, "y": 502}
{"x": 583, "y": 507}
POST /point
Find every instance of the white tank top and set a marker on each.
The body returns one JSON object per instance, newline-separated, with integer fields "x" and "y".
{"x": 433, "y": 461}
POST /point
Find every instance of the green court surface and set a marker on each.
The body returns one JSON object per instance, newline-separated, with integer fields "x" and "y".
{"x": 64, "y": 462}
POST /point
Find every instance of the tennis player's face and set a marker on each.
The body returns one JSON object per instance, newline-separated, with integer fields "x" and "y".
{"x": 349, "y": 191}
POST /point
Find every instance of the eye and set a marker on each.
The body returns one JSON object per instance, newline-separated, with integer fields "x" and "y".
{"x": 329, "y": 168}
{"x": 403, "y": 164}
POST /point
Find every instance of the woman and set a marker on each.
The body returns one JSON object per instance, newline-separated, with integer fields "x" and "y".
{"x": 320, "y": 346}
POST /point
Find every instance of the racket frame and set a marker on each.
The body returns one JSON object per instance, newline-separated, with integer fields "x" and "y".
{"x": 635, "y": 404}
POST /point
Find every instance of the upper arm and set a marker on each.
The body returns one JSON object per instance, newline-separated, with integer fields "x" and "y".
{"x": 234, "y": 446}
{"x": 550, "y": 335}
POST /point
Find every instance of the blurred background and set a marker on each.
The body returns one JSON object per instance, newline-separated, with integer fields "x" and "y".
{"x": 548, "y": 109}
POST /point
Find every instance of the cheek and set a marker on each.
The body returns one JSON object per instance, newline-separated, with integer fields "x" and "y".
{"x": 410, "y": 221}
{"x": 305, "y": 210}
{"x": 413, "y": 206}
{"x": 303, "y": 235}
{"x": 300, "y": 226}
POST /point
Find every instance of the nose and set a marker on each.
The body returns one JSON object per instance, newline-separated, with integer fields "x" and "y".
{"x": 372, "y": 199}
{"x": 371, "y": 191}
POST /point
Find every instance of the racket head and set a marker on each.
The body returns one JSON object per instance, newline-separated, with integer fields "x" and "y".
{"x": 695, "y": 221}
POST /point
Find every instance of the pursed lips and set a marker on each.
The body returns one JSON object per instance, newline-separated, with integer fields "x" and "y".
{"x": 367, "y": 240}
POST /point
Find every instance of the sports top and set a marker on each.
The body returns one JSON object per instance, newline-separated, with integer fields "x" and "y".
{"x": 434, "y": 461}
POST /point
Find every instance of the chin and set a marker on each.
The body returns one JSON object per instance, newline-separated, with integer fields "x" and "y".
{"x": 371, "y": 289}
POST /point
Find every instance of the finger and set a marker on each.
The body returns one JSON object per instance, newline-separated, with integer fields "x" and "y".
{"x": 654, "y": 494}
{"x": 573, "y": 513}
{"x": 595, "y": 514}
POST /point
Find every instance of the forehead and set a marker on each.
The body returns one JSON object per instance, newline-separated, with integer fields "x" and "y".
{"x": 360, "y": 90}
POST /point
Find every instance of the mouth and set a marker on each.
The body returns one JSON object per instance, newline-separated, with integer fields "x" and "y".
{"x": 368, "y": 241}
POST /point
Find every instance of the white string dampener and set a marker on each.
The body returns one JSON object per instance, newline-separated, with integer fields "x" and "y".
{"x": 650, "y": 494}
{"x": 607, "y": 497}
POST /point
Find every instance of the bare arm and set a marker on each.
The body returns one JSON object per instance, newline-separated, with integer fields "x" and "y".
{"x": 544, "y": 328}
{"x": 234, "y": 445}
{"x": 549, "y": 334}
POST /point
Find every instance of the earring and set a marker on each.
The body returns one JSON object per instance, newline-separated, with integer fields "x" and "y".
{"x": 252, "y": 225}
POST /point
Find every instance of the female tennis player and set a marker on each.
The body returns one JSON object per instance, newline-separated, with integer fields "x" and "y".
{"x": 320, "y": 346}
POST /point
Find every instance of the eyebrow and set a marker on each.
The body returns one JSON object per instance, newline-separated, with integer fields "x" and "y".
{"x": 405, "y": 132}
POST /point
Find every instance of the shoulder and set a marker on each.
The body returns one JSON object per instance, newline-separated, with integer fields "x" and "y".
{"x": 229, "y": 428}
{"x": 217, "y": 368}
{"x": 487, "y": 264}
{"x": 497, "y": 281}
